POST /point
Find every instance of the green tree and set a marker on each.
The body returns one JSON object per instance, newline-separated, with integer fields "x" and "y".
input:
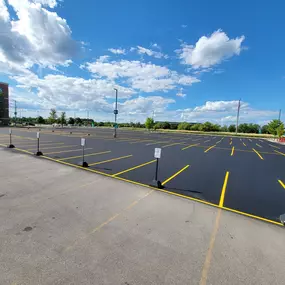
{"x": 62, "y": 119}
{"x": 184, "y": 126}
{"x": 280, "y": 131}
{"x": 78, "y": 121}
{"x": 273, "y": 126}
{"x": 40, "y": 120}
{"x": 149, "y": 123}
{"x": 52, "y": 116}
{"x": 224, "y": 128}
{"x": 232, "y": 128}
{"x": 71, "y": 121}
{"x": 264, "y": 129}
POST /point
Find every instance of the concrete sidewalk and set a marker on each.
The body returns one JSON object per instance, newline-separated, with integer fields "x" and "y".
{"x": 60, "y": 225}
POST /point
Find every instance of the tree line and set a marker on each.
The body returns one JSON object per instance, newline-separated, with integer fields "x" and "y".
{"x": 275, "y": 127}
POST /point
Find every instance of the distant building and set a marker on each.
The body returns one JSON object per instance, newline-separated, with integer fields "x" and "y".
{"x": 4, "y": 104}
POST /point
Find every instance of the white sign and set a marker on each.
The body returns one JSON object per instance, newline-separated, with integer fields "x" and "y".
{"x": 38, "y": 135}
{"x": 10, "y": 131}
{"x": 157, "y": 152}
{"x": 82, "y": 142}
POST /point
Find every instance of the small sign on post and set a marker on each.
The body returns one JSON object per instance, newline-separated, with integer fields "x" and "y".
{"x": 10, "y": 135}
{"x": 83, "y": 143}
{"x": 38, "y": 153}
{"x": 157, "y": 155}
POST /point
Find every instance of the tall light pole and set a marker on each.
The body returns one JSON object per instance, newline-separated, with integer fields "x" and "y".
{"x": 238, "y": 115}
{"x": 116, "y": 113}
{"x": 279, "y": 118}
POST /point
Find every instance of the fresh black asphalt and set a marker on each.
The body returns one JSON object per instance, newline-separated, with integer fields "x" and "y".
{"x": 253, "y": 185}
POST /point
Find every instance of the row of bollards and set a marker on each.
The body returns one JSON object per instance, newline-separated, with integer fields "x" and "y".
{"x": 157, "y": 156}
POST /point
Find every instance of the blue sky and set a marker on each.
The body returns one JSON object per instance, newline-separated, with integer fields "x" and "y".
{"x": 183, "y": 60}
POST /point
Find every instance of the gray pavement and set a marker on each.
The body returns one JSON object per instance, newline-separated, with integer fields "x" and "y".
{"x": 61, "y": 225}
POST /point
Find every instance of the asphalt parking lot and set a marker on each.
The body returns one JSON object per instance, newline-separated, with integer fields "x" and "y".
{"x": 242, "y": 175}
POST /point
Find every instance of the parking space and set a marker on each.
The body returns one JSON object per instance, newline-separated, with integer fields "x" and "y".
{"x": 238, "y": 174}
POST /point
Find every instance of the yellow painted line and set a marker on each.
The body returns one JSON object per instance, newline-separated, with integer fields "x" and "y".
{"x": 141, "y": 141}
{"x": 64, "y": 151}
{"x": 174, "y": 175}
{"x": 91, "y": 154}
{"x": 233, "y": 150}
{"x": 206, "y": 266}
{"x": 231, "y": 142}
{"x": 42, "y": 144}
{"x": 244, "y": 144}
{"x": 196, "y": 140}
{"x": 209, "y": 148}
{"x": 53, "y": 147}
{"x": 218, "y": 141}
{"x": 258, "y": 145}
{"x": 281, "y": 183}
{"x": 279, "y": 152}
{"x": 207, "y": 141}
{"x": 171, "y": 145}
{"x": 110, "y": 160}
{"x": 253, "y": 216}
{"x": 258, "y": 153}
{"x": 135, "y": 167}
{"x": 191, "y": 145}
{"x": 222, "y": 198}
{"x": 158, "y": 142}
{"x": 250, "y": 140}
{"x": 274, "y": 146}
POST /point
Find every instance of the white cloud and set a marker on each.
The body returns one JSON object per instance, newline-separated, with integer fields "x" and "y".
{"x": 212, "y": 50}
{"x": 180, "y": 93}
{"x": 149, "y": 52}
{"x": 37, "y": 36}
{"x": 117, "y": 51}
{"x": 220, "y": 106}
{"x": 183, "y": 26}
{"x": 146, "y": 77}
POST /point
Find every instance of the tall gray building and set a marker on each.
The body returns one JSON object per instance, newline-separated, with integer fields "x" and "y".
{"x": 4, "y": 104}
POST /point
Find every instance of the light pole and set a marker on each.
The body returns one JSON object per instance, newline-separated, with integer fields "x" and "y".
{"x": 116, "y": 113}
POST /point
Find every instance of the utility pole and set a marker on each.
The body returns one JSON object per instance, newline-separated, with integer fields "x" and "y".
{"x": 238, "y": 115}
{"x": 116, "y": 113}
{"x": 15, "y": 112}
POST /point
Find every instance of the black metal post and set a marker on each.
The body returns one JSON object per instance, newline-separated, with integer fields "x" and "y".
{"x": 84, "y": 163}
{"x": 116, "y": 113}
{"x": 156, "y": 171}
{"x": 38, "y": 153}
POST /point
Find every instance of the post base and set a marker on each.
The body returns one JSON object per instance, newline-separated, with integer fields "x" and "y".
{"x": 157, "y": 184}
{"x": 84, "y": 164}
{"x": 38, "y": 153}
{"x": 11, "y": 146}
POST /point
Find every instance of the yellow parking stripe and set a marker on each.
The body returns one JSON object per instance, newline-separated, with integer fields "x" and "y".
{"x": 53, "y": 147}
{"x": 279, "y": 152}
{"x": 140, "y": 141}
{"x": 91, "y": 154}
{"x": 64, "y": 151}
{"x": 222, "y": 198}
{"x": 207, "y": 141}
{"x": 158, "y": 142}
{"x": 135, "y": 167}
{"x": 171, "y": 144}
{"x": 191, "y": 145}
{"x": 110, "y": 160}
{"x": 250, "y": 140}
{"x": 233, "y": 150}
{"x": 258, "y": 145}
{"x": 209, "y": 148}
{"x": 274, "y": 146}
{"x": 281, "y": 183}
{"x": 244, "y": 144}
{"x": 231, "y": 142}
{"x": 174, "y": 175}
{"x": 258, "y": 153}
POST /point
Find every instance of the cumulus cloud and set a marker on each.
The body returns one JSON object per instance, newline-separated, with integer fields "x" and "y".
{"x": 117, "y": 51}
{"x": 209, "y": 51}
{"x": 146, "y": 77}
{"x": 220, "y": 106}
{"x": 37, "y": 36}
{"x": 181, "y": 94}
